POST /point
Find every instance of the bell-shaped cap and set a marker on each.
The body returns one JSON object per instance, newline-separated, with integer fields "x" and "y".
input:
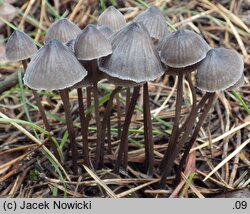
{"x": 62, "y": 30}
{"x": 154, "y": 22}
{"x": 20, "y": 46}
{"x": 105, "y": 30}
{"x": 54, "y": 67}
{"x": 182, "y": 48}
{"x": 91, "y": 44}
{"x": 112, "y": 18}
{"x": 221, "y": 69}
{"x": 134, "y": 57}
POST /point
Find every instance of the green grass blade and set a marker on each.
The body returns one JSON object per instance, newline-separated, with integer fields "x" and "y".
{"x": 242, "y": 102}
{"x": 103, "y": 6}
{"x": 187, "y": 185}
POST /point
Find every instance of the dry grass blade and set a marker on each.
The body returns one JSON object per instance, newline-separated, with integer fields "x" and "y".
{"x": 236, "y": 151}
{"x": 30, "y": 136}
{"x": 232, "y": 131}
{"x": 123, "y": 194}
{"x": 100, "y": 182}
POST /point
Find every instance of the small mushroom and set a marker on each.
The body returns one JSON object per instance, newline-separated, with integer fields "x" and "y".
{"x": 90, "y": 45}
{"x": 112, "y": 18}
{"x": 133, "y": 62}
{"x": 63, "y": 30}
{"x": 181, "y": 51}
{"x": 54, "y": 67}
{"x": 20, "y": 47}
{"x": 154, "y": 21}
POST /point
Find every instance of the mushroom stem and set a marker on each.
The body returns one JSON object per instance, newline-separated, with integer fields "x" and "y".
{"x": 148, "y": 142}
{"x": 84, "y": 129}
{"x": 118, "y": 103}
{"x": 105, "y": 121}
{"x": 122, "y": 159}
{"x": 170, "y": 161}
{"x": 43, "y": 115}
{"x": 64, "y": 93}
{"x": 212, "y": 97}
{"x": 88, "y": 95}
{"x": 175, "y": 131}
{"x": 97, "y": 115}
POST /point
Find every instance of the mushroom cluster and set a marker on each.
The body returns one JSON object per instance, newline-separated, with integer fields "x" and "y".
{"x": 129, "y": 55}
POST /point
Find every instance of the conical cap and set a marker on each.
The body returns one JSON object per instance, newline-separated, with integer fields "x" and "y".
{"x": 134, "y": 57}
{"x": 62, "y": 30}
{"x": 154, "y": 22}
{"x": 20, "y": 46}
{"x": 112, "y": 18}
{"x": 221, "y": 69}
{"x": 91, "y": 44}
{"x": 238, "y": 84}
{"x": 182, "y": 48}
{"x": 54, "y": 67}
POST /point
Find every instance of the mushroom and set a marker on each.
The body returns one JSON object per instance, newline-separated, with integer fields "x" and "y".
{"x": 133, "y": 62}
{"x": 220, "y": 70}
{"x": 181, "y": 51}
{"x": 90, "y": 45}
{"x": 112, "y": 18}
{"x": 20, "y": 47}
{"x": 54, "y": 67}
{"x": 154, "y": 21}
{"x": 63, "y": 30}
{"x": 156, "y": 25}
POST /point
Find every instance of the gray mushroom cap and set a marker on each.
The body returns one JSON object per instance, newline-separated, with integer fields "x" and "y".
{"x": 112, "y": 18}
{"x": 62, "y": 30}
{"x": 20, "y": 46}
{"x": 154, "y": 22}
{"x": 91, "y": 44}
{"x": 221, "y": 69}
{"x": 182, "y": 48}
{"x": 54, "y": 67}
{"x": 134, "y": 57}
{"x": 238, "y": 84}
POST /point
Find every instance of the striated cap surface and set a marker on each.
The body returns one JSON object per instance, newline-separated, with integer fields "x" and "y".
{"x": 91, "y": 44}
{"x": 154, "y": 22}
{"x": 20, "y": 46}
{"x": 134, "y": 57}
{"x": 112, "y": 18}
{"x": 221, "y": 69}
{"x": 182, "y": 48}
{"x": 54, "y": 67}
{"x": 62, "y": 30}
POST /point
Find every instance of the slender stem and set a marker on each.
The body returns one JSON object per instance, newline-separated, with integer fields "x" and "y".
{"x": 194, "y": 137}
{"x": 105, "y": 121}
{"x": 43, "y": 115}
{"x": 149, "y": 147}
{"x": 175, "y": 131}
{"x": 69, "y": 122}
{"x": 97, "y": 115}
{"x": 122, "y": 158}
{"x": 84, "y": 129}
{"x": 118, "y": 116}
{"x": 88, "y": 95}
{"x": 170, "y": 161}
